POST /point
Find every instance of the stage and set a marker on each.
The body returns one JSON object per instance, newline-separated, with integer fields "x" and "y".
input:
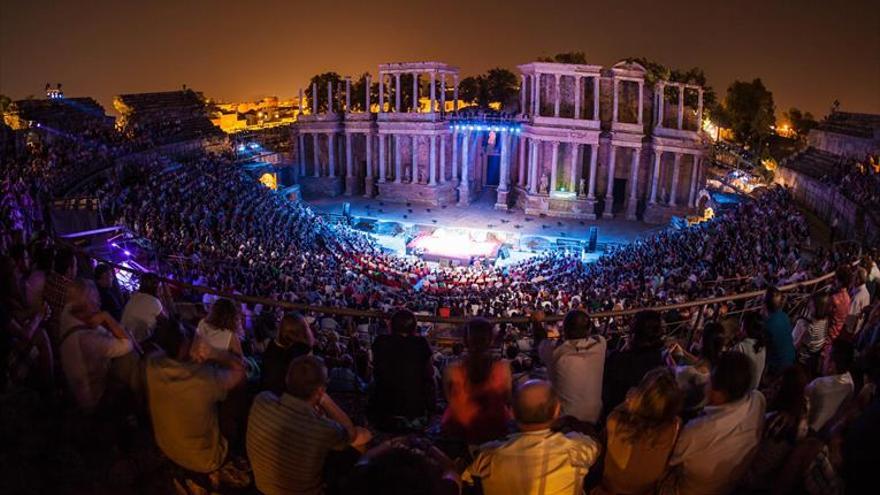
{"x": 455, "y": 246}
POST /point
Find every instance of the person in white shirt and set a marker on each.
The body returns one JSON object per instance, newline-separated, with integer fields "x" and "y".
{"x": 827, "y": 393}
{"x": 536, "y": 460}
{"x": 221, "y": 328}
{"x": 576, "y": 366}
{"x": 140, "y": 313}
{"x": 860, "y": 298}
{"x": 714, "y": 450}
{"x": 753, "y": 345}
{"x": 89, "y": 340}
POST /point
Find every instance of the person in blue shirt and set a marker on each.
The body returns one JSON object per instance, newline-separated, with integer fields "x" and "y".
{"x": 780, "y": 346}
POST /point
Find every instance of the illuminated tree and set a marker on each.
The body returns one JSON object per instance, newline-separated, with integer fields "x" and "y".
{"x": 495, "y": 86}
{"x": 566, "y": 58}
{"x": 749, "y": 111}
{"x": 321, "y": 80}
{"x": 801, "y": 122}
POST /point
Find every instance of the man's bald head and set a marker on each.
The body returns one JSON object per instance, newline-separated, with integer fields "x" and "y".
{"x": 535, "y": 403}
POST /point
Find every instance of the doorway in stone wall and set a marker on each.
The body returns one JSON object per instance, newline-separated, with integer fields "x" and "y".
{"x": 619, "y": 193}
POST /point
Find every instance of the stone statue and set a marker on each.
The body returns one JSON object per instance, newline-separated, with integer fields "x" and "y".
{"x": 582, "y": 188}
{"x": 544, "y": 185}
{"x": 407, "y": 174}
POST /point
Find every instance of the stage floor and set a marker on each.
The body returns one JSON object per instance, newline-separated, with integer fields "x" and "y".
{"x": 482, "y": 215}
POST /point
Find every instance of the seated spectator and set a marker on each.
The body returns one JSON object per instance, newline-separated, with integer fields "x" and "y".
{"x": 575, "y": 367}
{"x": 640, "y": 435}
{"x": 89, "y": 340}
{"x": 859, "y": 449}
{"x": 693, "y": 376}
{"x": 35, "y": 284}
{"x": 643, "y": 352}
{"x": 404, "y": 466}
{"x": 780, "y": 346}
{"x": 143, "y": 308}
{"x": 840, "y": 305}
{"x": 111, "y": 297}
{"x": 860, "y": 299}
{"x": 221, "y": 329}
{"x": 55, "y": 293}
{"x": 811, "y": 332}
{"x": 828, "y": 392}
{"x": 536, "y": 459}
{"x": 294, "y": 339}
{"x": 303, "y": 416}
{"x": 186, "y": 381}
{"x": 752, "y": 345}
{"x": 403, "y": 376}
{"x": 478, "y": 389}
{"x": 715, "y": 449}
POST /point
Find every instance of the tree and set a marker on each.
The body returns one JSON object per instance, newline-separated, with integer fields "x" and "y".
{"x": 751, "y": 113}
{"x": 471, "y": 90}
{"x": 566, "y": 58}
{"x": 502, "y": 86}
{"x": 801, "y": 122}
{"x": 321, "y": 80}
{"x": 358, "y": 93}
{"x": 5, "y": 101}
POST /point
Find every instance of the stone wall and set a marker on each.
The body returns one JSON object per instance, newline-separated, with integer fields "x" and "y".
{"x": 840, "y": 144}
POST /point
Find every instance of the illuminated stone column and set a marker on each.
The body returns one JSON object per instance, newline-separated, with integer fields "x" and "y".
{"x": 414, "y": 170}
{"x": 314, "y": 98}
{"x": 329, "y": 97}
{"x": 655, "y": 176}
{"x": 596, "y": 85}
{"x": 398, "y": 165}
{"x": 301, "y": 101}
{"x": 609, "y": 187}
{"x": 432, "y": 160}
{"x": 464, "y": 184}
{"x": 415, "y": 93}
{"x": 331, "y": 154}
{"x": 594, "y": 165}
{"x": 317, "y": 152}
{"x": 614, "y": 111}
{"x": 349, "y": 162}
{"x": 347, "y": 94}
{"x": 302, "y": 154}
{"x": 443, "y": 158}
{"x": 533, "y": 166}
{"x": 577, "y": 97}
{"x": 383, "y": 162}
{"x": 455, "y": 155}
{"x": 433, "y": 93}
{"x": 556, "y": 95}
{"x": 443, "y": 100}
{"x": 455, "y": 94}
{"x": 572, "y": 167}
{"x": 676, "y": 171}
{"x": 522, "y": 94}
{"x": 554, "y": 166}
{"x": 381, "y": 92}
{"x": 537, "y": 96}
{"x": 369, "y": 85}
{"x": 397, "y": 94}
{"x": 633, "y": 203}
{"x": 504, "y": 181}
{"x": 693, "y": 189}
{"x": 641, "y": 102}
{"x": 680, "y": 108}
{"x": 368, "y": 145}
{"x": 521, "y": 157}
{"x": 700, "y": 110}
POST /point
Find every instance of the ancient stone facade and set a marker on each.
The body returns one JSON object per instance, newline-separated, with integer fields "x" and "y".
{"x": 587, "y": 141}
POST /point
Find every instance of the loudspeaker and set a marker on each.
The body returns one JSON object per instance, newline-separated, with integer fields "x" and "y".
{"x": 593, "y": 238}
{"x": 346, "y": 209}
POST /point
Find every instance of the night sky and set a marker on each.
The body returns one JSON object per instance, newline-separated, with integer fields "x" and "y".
{"x": 808, "y": 52}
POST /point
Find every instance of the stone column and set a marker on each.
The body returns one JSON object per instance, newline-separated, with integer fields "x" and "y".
{"x": 676, "y": 170}
{"x": 556, "y": 95}
{"x": 314, "y": 98}
{"x": 302, "y": 110}
{"x": 329, "y": 97}
{"x": 554, "y": 165}
{"x": 349, "y": 162}
{"x": 594, "y": 165}
{"x": 455, "y": 155}
{"x": 504, "y": 180}
{"x": 680, "y": 108}
{"x": 414, "y": 171}
{"x": 522, "y": 94}
{"x": 455, "y": 95}
{"x": 369, "y": 85}
{"x": 432, "y": 160}
{"x": 533, "y": 166}
{"x": 633, "y": 203}
{"x": 641, "y": 102}
{"x": 381, "y": 92}
{"x": 331, "y": 154}
{"x": 368, "y": 148}
{"x": 347, "y": 95}
{"x": 521, "y": 157}
{"x": 597, "y": 85}
{"x": 415, "y": 93}
{"x": 317, "y": 152}
{"x": 573, "y": 149}
{"x": 383, "y": 163}
{"x": 537, "y": 99}
{"x": 397, "y": 95}
{"x": 661, "y": 100}
{"x": 700, "y": 110}
{"x": 398, "y": 165}
{"x": 302, "y": 154}
{"x": 693, "y": 187}
{"x": 433, "y": 93}
{"x": 464, "y": 185}
{"x": 655, "y": 176}
{"x": 609, "y": 187}
{"x": 443, "y": 159}
{"x": 577, "y": 97}
{"x": 614, "y": 103}
{"x": 443, "y": 96}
